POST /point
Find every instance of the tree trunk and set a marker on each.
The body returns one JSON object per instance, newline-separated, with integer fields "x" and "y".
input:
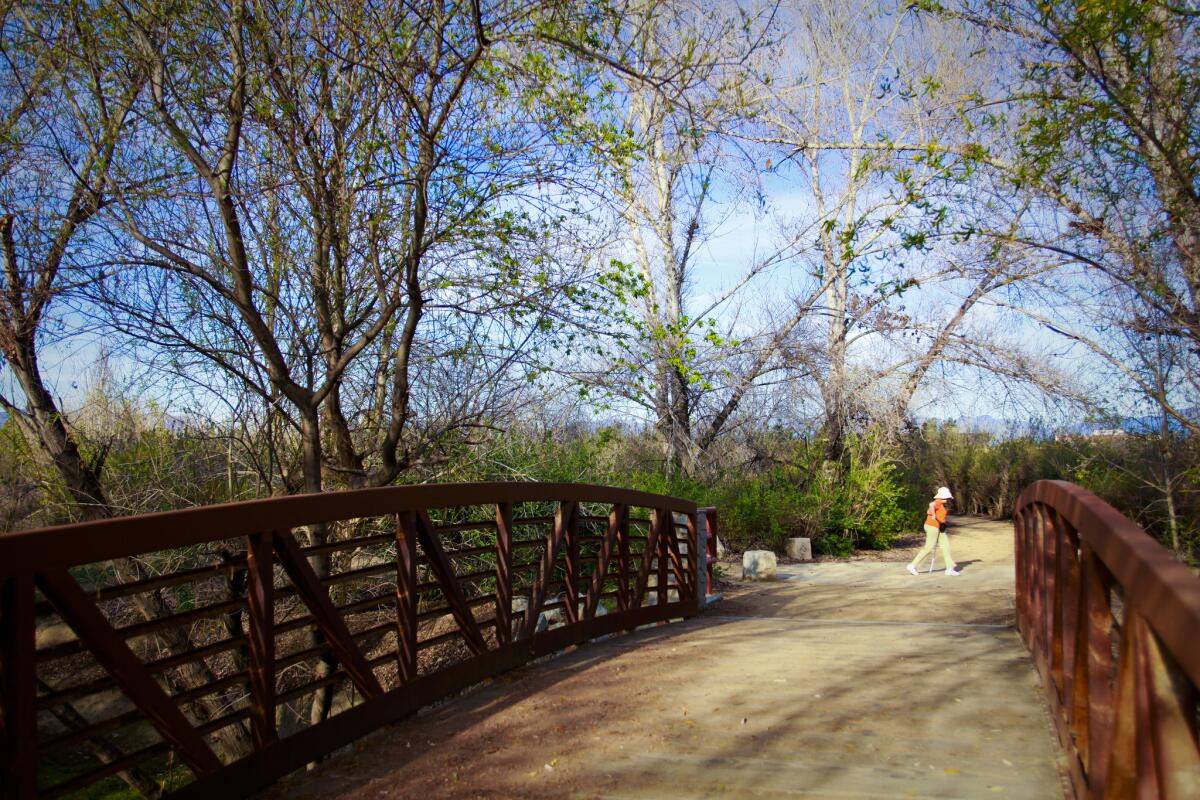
{"x": 44, "y": 421}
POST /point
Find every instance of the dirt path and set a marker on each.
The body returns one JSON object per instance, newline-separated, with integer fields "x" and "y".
{"x": 873, "y": 589}
{"x": 845, "y": 679}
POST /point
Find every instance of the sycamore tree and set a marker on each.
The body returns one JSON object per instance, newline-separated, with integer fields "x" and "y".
{"x": 1103, "y": 109}
{"x": 689, "y": 359}
{"x": 864, "y": 122}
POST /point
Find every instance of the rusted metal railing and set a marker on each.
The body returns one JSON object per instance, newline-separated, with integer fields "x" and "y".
{"x": 195, "y": 649}
{"x": 1113, "y": 623}
{"x": 707, "y": 518}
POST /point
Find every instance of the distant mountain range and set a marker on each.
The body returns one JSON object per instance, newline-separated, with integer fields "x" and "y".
{"x": 1147, "y": 424}
{"x": 985, "y": 423}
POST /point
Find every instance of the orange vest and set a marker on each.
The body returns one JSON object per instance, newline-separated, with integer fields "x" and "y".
{"x": 936, "y": 514}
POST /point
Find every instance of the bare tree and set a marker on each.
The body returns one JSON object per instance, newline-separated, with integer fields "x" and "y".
{"x": 1102, "y": 108}
{"x": 353, "y": 191}
{"x": 679, "y": 357}
{"x": 878, "y": 144}
{"x": 65, "y": 118}
{"x": 55, "y": 178}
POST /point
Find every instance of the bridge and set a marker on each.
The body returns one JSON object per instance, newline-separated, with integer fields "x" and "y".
{"x": 550, "y": 640}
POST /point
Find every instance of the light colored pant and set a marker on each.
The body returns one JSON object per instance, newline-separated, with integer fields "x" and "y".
{"x": 931, "y": 540}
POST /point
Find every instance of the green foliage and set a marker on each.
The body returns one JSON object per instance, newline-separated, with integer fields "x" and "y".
{"x": 147, "y": 464}
{"x": 61, "y": 767}
{"x": 769, "y": 485}
{"x": 988, "y": 473}
{"x": 761, "y": 511}
{"x": 788, "y": 491}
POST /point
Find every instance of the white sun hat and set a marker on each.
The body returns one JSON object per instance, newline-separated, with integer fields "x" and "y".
{"x": 943, "y": 494}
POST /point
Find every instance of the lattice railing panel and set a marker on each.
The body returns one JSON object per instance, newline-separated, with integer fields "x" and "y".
{"x": 1111, "y": 619}
{"x": 149, "y": 651}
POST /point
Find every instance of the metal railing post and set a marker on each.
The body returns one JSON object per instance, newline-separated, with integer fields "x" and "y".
{"x": 698, "y": 558}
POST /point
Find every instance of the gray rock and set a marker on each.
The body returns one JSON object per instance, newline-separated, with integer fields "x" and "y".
{"x": 800, "y": 548}
{"x": 519, "y": 606}
{"x": 551, "y": 618}
{"x": 363, "y": 558}
{"x": 759, "y": 565}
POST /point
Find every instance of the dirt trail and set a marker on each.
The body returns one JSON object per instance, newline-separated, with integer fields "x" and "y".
{"x": 844, "y": 679}
{"x": 881, "y": 590}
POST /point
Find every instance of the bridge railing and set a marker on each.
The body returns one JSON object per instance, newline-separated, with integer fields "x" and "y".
{"x": 212, "y": 650}
{"x": 707, "y": 519}
{"x": 1113, "y": 622}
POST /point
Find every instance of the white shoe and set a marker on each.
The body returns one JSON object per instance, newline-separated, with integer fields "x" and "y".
{"x": 953, "y": 571}
{"x": 913, "y": 569}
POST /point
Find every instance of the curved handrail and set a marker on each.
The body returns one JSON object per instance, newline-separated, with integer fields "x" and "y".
{"x": 86, "y": 542}
{"x": 1086, "y": 575}
{"x": 416, "y": 595}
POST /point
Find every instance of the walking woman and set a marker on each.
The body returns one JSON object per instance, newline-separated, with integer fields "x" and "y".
{"x": 935, "y": 524}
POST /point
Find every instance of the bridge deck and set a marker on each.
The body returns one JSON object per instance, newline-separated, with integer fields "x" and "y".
{"x": 843, "y": 680}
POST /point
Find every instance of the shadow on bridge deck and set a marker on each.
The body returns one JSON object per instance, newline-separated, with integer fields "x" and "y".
{"x": 843, "y": 680}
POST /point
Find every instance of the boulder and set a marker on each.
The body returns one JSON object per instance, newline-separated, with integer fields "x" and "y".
{"x": 555, "y": 617}
{"x": 800, "y": 548}
{"x": 551, "y": 618}
{"x": 759, "y": 565}
{"x": 363, "y": 557}
{"x": 519, "y": 606}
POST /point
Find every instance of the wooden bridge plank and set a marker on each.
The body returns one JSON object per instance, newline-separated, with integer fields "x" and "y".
{"x": 1172, "y": 702}
{"x": 676, "y": 557}
{"x": 648, "y": 554}
{"x": 504, "y": 523}
{"x": 623, "y": 558}
{"x": 663, "y": 520}
{"x": 1099, "y": 667}
{"x": 545, "y": 572}
{"x": 607, "y": 546}
{"x": 406, "y": 596}
{"x": 571, "y": 566}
